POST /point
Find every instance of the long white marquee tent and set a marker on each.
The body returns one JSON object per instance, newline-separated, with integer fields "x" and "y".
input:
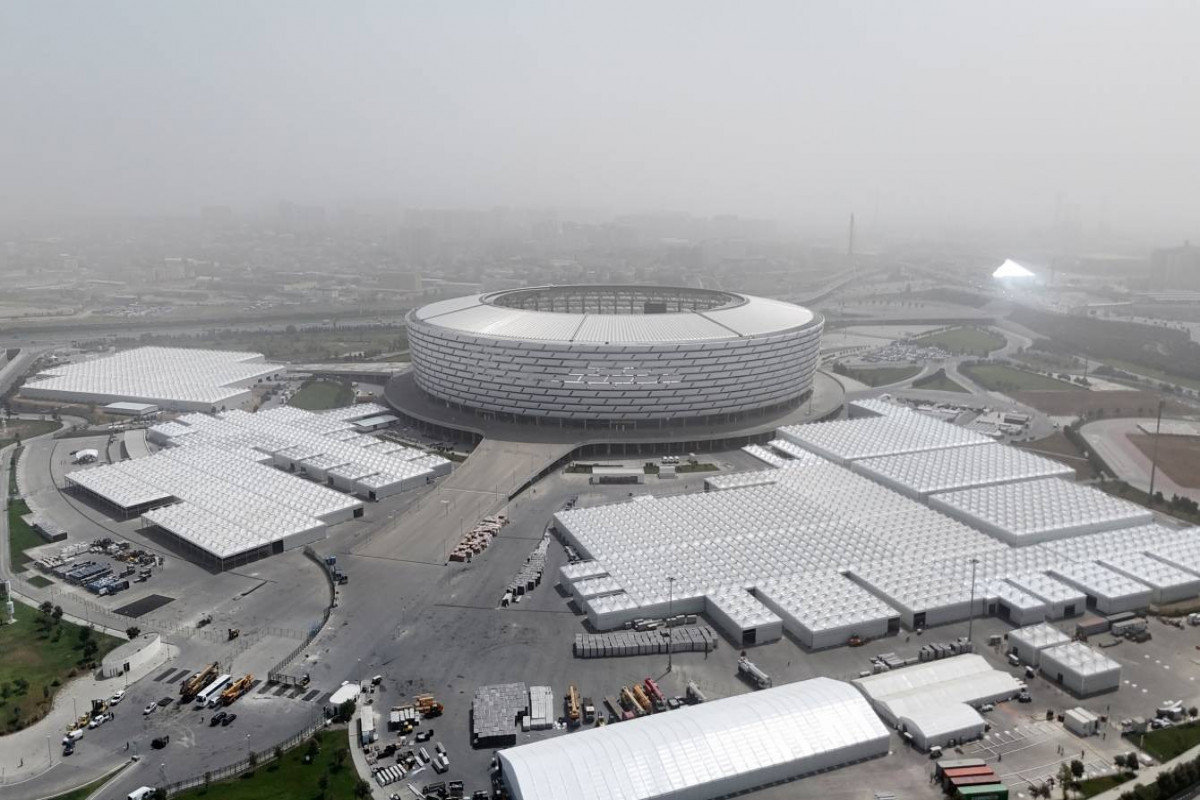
{"x": 716, "y": 749}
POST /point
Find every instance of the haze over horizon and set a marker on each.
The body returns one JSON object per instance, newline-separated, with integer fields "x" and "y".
{"x": 926, "y": 115}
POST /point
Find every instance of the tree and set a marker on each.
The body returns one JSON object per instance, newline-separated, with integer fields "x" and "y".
{"x": 46, "y": 608}
{"x": 133, "y": 631}
{"x": 57, "y": 614}
{"x": 345, "y": 711}
{"x": 313, "y": 749}
{"x": 362, "y": 789}
{"x": 339, "y": 757}
{"x": 160, "y": 793}
{"x": 1065, "y": 779}
{"x": 1076, "y": 768}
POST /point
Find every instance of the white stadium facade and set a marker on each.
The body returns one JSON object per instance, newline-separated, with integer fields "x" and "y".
{"x": 614, "y": 356}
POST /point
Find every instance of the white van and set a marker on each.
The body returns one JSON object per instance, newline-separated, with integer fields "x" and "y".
{"x": 141, "y": 793}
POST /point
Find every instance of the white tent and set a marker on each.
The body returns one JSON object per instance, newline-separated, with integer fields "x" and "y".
{"x": 716, "y": 749}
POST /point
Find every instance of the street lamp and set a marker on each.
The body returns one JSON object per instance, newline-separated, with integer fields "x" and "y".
{"x": 670, "y": 606}
{"x": 1154, "y": 457}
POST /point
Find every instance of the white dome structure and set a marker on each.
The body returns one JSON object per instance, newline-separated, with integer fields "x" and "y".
{"x": 1012, "y": 270}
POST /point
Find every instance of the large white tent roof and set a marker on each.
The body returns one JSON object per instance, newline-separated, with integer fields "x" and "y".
{"x": 903, "y": 431}
{"x": 960, "y": 468}
{"x": 814, "y": 724}
{"x": 159, "y": 374}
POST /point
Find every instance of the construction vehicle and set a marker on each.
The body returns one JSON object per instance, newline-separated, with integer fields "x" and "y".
{"x": 574, "y": 713}
{"x": 630, "y": 704}
{"x": 428, "y": 706}
{"x": 642, "y": 700}
{"x": 191, "y": 686}
{"x": 234, "y": 633}
{"x": 694, "y": 695}
{"x": 614, "y": 707}
{"x": 655, "y": 694}
{"x": 589, "y": 711}
{"x": 236, "y": 689}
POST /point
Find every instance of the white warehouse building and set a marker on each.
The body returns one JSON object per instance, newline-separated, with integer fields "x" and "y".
{"x": 176, "y": 378}
{"x": 1080, "y": 669}
{"x": 1028, "y": 643}
{"x": 717, "y": 749}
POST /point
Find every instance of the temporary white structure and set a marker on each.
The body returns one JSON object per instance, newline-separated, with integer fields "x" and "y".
{"x": 1168, "y": 584}
{"x": 716, "y": 749}
{"x": 902, "y": 431}
{"x": 1061, "y": 600}
{"x": 1028, "y": 643}
{"x": 1039, "y": 510}
{"x": 928, "y": 697}
{"x": 1107, "y": 591}
{"x": 827, "y": 610}
{"x": 922, "y": 474}
{"x": 172, "y": 377}
{"x": 1080, "y": 669}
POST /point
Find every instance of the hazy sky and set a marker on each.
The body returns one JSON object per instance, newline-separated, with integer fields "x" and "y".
{"x": 927, "y": 113}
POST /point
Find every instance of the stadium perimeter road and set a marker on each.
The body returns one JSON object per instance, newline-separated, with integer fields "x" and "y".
{"x": 1110, "y": 439}
{"x": 479, "y": 487}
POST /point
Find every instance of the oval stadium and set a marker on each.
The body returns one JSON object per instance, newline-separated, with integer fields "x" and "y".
{"x": 615, "y": 355}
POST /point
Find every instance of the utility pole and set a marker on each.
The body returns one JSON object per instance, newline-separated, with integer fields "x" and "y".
{"x": 670, "y": 609}
{"x": 971, "y": 618}
{"x": 1154, "y": 457}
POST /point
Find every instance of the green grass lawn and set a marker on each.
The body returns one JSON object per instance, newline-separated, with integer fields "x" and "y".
{"x": 26, "y": 429}
{"x": 1151, "y": 372}
{"x": 1002, "y": 378}
{"x": 968, "y": 341}
{"x": 293, "y": 779}
{"x": 939, "y": 382}
{"x": 1166, "y": 743}
{"x": 40, "y": 581}
{"x": 21, "y": 537}
{"x": 39, "y": 659}
{"x": 1094, "y": 786}
{"x": 322, "y": 395}
{"x": 880, "y": 376}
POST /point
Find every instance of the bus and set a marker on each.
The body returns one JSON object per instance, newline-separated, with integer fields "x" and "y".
{"x": 211, "y": 694}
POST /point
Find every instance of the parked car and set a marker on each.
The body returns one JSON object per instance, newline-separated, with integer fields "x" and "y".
{"x": 150, "y": 709}
{"x": 158, "y": 743}
{"x": 166, "y": 701}
{"x": 68, "y": 748}
{"x": 116, "y": 698}
{"x": 217, "y": 719}
{"x": 229, "y": 718}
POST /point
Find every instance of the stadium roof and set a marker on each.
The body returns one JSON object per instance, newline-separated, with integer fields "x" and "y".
{"x": 797, "y": 728}
{"x": 478, "y": 315}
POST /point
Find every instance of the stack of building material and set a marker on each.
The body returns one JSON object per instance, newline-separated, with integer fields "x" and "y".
{"x": 541, "y": 707}
{"x": 495, "y": 711}
{"x": 700, "y": 639}
{"x": 530, "y": 575}
{"x": 476, "y": 541}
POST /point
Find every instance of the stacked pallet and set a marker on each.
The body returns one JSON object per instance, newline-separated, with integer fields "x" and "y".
{"x": 476, "y": 541}
{"x": 496, "y": 709}
{"x": 541, "y": 708}
{"x": 700, "y": 639}
{"x": 530, "y": 575}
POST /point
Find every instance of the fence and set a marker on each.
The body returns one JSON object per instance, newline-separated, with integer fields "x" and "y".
{"x": 251, "y": 761}
{"x": 276, "y": 675}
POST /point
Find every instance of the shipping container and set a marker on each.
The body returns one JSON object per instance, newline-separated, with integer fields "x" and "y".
{"x": 994, "y": 791}
{"x": 956, "y": 763}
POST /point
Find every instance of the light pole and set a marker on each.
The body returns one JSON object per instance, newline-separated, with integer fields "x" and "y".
{"x": 446, "y": 533}
{"x": 670, "y": 608}
{"x": 971, "y": 618}
{"x": 1154, "y": 457}
{"x": 49, "y": 755}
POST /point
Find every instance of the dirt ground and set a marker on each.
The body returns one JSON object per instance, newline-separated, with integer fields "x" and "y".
{"x": 1058, "y": 447}
{"x": 1178, "y": 456}
{"x": 1107, "y": 404}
